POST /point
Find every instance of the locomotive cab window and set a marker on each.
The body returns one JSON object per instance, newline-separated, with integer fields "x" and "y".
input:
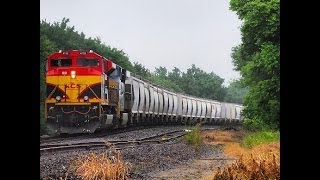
{"x": 87, "y": 62}
{"x": 60, "y": 62}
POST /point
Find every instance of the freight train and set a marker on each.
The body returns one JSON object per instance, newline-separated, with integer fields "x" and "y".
{"x": 87, "y": 92}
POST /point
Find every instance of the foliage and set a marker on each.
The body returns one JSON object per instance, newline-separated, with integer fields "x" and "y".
{"x": 254, "y": 125}
{"x": 235, "y": 92}
{"x": 194, "y": 137}
{"x": 198, "y": 83}
{"x": 140, "y": 70}
{"x": 194, "y": 82}
{"x": 261, "y": 137}
{"x": 160, "y": 77}
{"x": 166, "y": 83}
{"x": 175, "y": 76}
{"x": 46, "y": 47}
{"x": 258, "y": 57}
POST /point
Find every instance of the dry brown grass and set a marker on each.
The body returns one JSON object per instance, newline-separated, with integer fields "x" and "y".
{"x": 260, "y": 162}
{"x": 109, "y": 165}
{"x": 230, "y": 140}
{"x": 222, "y": 137}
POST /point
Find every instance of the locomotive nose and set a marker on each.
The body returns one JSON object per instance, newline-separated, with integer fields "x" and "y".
{"x": 73, "y": 124}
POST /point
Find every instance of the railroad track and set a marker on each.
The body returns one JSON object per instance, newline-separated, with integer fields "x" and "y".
{"x": 118, "y": 144}
{"x": 159, "y": 138}
{"x": 58, "y": 138}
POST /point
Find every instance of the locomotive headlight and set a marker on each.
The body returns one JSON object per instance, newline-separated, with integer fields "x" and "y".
{"x": 58, "y": 98}
{"x": 85, "y": 98}
{"x": 51, "y": 109}
{"x": 73, "y": 74}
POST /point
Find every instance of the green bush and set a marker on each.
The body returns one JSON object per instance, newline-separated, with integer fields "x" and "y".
{"x": 194, "y": 137}
{"x": 256, "y": 125}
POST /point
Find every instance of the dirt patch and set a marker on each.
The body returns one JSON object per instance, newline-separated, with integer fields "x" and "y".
{"x": 205, "y": 166}
{"x": 195, "y": 168}
{"x": 230, "y": 139}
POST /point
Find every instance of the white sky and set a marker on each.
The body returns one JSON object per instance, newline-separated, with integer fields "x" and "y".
{"x": 169, "y": 33}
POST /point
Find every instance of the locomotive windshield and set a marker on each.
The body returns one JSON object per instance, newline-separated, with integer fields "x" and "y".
{"x": 60, "y": 62}
{"x": 87, "y": 62}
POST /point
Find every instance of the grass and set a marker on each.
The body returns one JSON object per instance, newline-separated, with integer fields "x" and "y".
{"x": 259, "y": 138}
{"x": 109, "y": 165}
{"x": 194, "y": 137}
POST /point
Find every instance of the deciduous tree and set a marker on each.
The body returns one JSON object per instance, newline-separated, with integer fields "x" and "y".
{"x": 258, "y": 56}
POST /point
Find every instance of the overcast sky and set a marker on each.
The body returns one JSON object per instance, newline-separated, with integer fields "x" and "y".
{"x": 169, "y": 33}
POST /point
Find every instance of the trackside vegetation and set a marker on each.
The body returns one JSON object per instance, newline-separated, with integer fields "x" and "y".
{"x": 108, "y": 165}
{"x": 261, "y": 137}
{"x": 194, "y": 137}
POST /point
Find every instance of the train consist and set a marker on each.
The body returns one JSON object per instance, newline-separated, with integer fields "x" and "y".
{"x": 86, "y": 92}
